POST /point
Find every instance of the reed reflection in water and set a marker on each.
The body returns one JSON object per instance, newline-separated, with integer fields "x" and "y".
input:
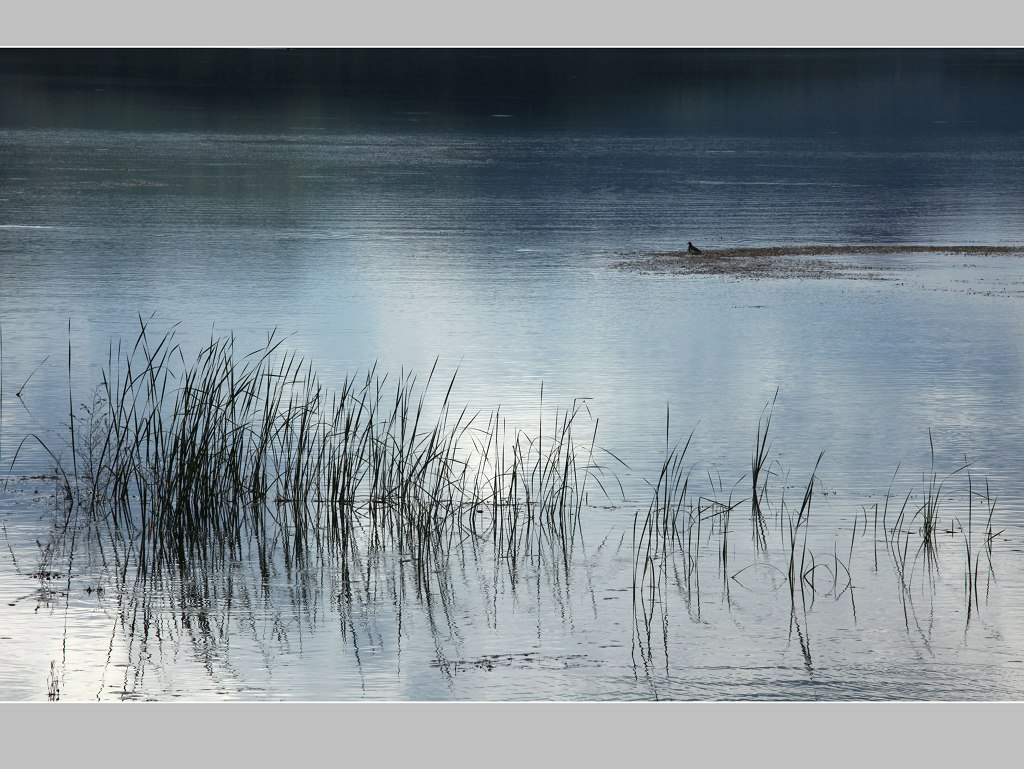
{"x": 231, "y": 500}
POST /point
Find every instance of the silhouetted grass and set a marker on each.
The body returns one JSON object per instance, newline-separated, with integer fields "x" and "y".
{"x": 194, "y": 459}
{"x": 182, "y": 464}
{"x": 674, "y": 536}
{"x": 759, "y": 473}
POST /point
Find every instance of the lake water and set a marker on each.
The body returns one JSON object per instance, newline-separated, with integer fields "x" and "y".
{"x": 500, "y": 246}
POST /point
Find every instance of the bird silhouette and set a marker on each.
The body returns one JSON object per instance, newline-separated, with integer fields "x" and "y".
{"x": 692, "y": 248}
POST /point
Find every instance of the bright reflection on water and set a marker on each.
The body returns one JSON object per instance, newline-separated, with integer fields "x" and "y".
{"x": 494, "y": 251}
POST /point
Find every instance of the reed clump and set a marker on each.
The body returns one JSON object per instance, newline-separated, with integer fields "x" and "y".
{"x": 183, "y": 464}
{"x": 687, "y": 525}
{"x": 195, "y": 459}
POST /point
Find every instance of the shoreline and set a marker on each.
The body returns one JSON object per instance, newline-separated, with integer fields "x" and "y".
{"x": 792, "y": 261}
{"x": 841, "y": 250}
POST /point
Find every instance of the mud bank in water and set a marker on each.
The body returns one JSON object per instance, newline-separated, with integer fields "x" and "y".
{"x": 802, "y": 262}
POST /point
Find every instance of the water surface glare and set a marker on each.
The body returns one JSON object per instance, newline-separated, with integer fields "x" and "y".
{"x": 499, "y": 254}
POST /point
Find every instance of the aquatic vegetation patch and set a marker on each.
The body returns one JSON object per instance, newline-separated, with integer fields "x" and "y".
{"x": 189, "y": 462}
{"x": 520, "y": 660}
{"x": 687, "y": 532}
{"x": 227, "y": 481}
{"x": 809, "y": 262}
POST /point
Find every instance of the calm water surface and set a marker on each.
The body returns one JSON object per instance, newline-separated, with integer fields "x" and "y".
{"x": 494, "y": 249}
